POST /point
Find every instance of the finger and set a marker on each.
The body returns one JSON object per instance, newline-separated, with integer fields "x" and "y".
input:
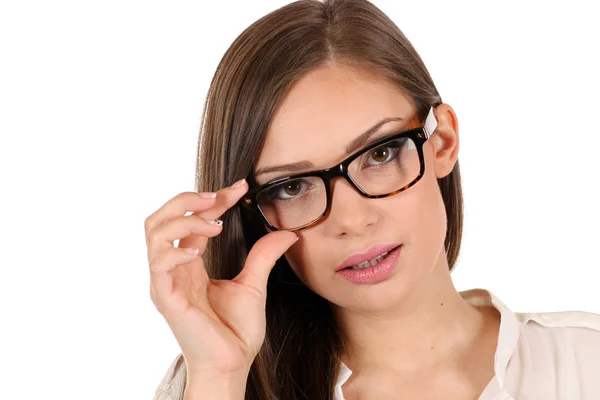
{"x": 170, "y": 258}
{"x": 226, "y": 198}
{"x": 179, "y": 206}
{"x": 162, "y": 277}
{"x": 262, "y": 258}
{"x": 163, "y": 236}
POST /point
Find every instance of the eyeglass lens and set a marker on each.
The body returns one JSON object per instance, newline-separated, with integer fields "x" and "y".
{"x": 379, "y": 171}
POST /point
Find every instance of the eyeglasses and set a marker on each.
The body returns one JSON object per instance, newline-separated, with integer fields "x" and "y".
{"x": 384, "y": 168}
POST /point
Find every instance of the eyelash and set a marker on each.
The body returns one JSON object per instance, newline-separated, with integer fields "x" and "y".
{"x": 274, "y": 192}
{"x": 395, "y": 150}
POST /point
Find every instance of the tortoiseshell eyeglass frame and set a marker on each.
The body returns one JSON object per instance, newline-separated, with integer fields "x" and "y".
{"x": 419, "y": 136}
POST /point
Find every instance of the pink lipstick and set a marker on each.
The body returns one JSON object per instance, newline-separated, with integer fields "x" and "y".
{"x": 375, "y": 265}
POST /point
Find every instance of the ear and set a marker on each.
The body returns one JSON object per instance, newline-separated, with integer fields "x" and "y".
{"x": 445, "y": 140}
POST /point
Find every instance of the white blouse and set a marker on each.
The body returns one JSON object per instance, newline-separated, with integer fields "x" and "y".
{"x": 540, "y": 356}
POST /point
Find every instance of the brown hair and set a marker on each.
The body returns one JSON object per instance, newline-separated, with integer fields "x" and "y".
{"x": 299, "y": 358}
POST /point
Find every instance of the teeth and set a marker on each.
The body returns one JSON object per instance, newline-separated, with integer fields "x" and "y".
{"x": 371, "y": 263}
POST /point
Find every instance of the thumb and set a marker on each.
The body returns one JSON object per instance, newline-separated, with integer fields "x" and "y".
{"x": 262, "y": 258}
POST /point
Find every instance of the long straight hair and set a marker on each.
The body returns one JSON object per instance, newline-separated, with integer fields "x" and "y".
{"x": 299, "y": 358}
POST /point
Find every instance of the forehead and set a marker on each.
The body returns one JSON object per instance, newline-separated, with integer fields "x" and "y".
{"x": 325, "y": 110}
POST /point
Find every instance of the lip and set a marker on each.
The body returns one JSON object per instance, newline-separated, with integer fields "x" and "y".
{"x": 371, "y": 253}
{"x": 373, "y": 274}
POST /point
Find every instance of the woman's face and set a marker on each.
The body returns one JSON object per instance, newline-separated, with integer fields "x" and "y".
{"x": 321, "y": 114}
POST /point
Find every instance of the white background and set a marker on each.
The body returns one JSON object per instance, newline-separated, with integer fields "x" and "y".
{"x": 100, "y": 108}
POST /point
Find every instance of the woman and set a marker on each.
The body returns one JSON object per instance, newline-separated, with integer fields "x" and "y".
{"x": 344, "y": 159}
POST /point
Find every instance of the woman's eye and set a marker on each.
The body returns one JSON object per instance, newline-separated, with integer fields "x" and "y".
{"x": 381, "y": 155}
{"x": 292, "y": 188}
{"x": 289, "y": 190}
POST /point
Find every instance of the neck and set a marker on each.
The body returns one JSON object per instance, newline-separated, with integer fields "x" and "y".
{"x": 432, "y": 327}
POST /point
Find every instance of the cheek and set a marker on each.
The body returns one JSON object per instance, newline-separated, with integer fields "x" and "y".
{"x": 308, "y": 258}
{"x": 296, "y": 258}
{"x": 428, "y": 219}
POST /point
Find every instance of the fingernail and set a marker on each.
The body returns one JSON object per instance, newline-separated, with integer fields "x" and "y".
{"x": 192, "y": 250}
{"x": 238, "y": 184}
{"x": 208, "y": 195}
{"x": 215, "y": 222}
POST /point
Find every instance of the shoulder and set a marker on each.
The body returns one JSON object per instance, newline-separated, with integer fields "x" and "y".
{"x": 172, "y": 384}
{"x": 557, "y": 356}
{"x": 576, "y": 328}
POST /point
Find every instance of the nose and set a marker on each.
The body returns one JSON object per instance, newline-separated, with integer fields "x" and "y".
{"x": 351, "y": 214}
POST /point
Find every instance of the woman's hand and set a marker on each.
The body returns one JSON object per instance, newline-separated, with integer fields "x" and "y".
{"x": 219, "y": 324}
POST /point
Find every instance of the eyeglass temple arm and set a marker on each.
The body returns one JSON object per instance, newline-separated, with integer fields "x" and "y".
{"x": 430, "y": 124}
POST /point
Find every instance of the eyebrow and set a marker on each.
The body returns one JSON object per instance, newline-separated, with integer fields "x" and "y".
{"x": 350, "y": 148}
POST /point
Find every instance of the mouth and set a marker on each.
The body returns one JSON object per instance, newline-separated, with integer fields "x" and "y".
{"x": 373, "y": 256}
